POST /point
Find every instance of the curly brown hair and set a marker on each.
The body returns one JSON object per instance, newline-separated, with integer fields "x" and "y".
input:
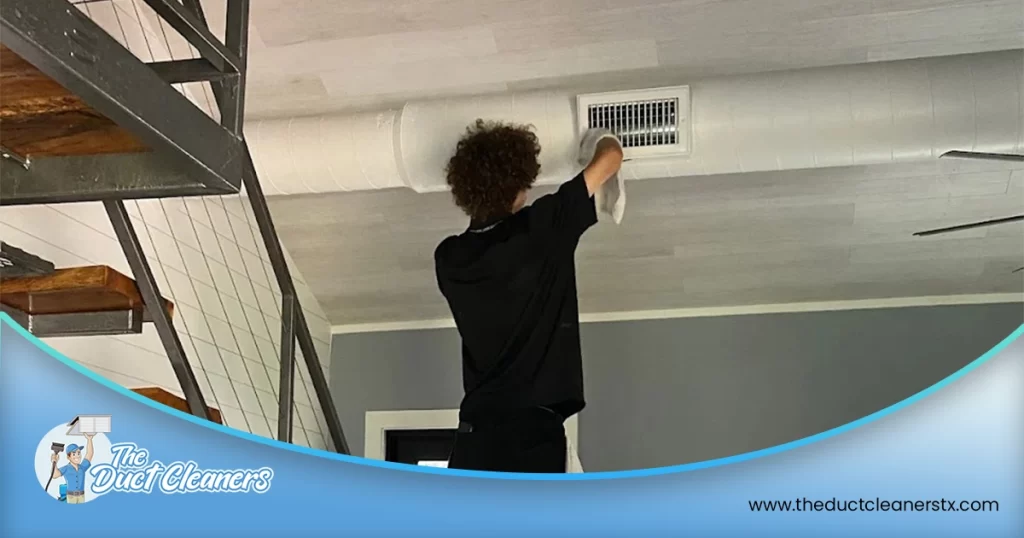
{"x": 493, "y": 163}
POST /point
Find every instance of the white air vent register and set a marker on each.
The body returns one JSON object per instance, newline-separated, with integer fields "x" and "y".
{"x": 650, "y": 123}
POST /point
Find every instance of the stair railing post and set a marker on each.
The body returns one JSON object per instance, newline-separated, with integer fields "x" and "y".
{"x": 154, "y": 305}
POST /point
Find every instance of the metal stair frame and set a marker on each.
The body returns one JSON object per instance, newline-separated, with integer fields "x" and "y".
{"x": 192, "y": 156}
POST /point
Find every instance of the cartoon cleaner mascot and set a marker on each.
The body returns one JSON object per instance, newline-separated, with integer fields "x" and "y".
{"x": 74, "y": 471}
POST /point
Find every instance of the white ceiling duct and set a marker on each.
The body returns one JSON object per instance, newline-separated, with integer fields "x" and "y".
{"x": 823, "y": 117}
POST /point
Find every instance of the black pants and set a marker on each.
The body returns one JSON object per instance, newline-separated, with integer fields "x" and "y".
{"x": 532, "y": 441}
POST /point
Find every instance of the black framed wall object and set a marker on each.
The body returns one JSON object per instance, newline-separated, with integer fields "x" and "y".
{"x": 419, "y": 446}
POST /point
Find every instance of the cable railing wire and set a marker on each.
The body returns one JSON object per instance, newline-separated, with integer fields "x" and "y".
{"x": 201, "y": 98}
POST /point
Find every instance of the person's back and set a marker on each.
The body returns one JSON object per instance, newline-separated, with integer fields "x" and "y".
{"x": 510, "y": 282}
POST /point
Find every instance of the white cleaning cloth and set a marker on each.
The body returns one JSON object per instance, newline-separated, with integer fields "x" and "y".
{"x": 610, "y": 199}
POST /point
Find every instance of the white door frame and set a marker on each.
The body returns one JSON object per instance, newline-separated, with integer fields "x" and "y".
{"x": 378, "y": 423}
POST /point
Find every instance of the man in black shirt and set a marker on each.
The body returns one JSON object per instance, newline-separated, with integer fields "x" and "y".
{"x": 510, "y": 281}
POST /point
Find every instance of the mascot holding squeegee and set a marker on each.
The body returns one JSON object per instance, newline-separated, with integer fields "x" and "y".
{"x": 74, "y": 472}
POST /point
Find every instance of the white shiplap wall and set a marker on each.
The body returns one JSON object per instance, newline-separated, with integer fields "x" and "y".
{"x": 207, "y": 256}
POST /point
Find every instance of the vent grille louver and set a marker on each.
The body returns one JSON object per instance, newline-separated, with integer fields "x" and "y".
{"x": 650, "y": 123}
{"x": 639, "y": 123}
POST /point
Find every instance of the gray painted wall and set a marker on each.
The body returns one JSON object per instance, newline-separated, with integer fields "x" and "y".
{"x": 666, "y": 392}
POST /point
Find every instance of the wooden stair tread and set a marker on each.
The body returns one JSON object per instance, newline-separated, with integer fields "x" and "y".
{"x": 173, "y": 400}
{"x": 95, "y": 288}
{"x": 43, "y": 119}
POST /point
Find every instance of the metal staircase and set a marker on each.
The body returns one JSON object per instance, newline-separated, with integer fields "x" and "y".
{"x": 184, "y": 151}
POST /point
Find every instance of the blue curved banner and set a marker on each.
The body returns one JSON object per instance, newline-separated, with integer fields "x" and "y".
{"x": 947, "y": 462}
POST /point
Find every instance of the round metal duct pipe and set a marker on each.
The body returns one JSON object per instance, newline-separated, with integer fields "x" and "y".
{"x": 810, "y": 118}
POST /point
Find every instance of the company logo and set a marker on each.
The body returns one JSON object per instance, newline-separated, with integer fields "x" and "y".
{"x": 77, "y": 463}
{"x": 66, "y": 453}
{"x": 131, "y": 471}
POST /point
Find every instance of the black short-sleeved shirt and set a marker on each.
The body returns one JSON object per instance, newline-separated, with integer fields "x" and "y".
{"x": 511, "y": 286}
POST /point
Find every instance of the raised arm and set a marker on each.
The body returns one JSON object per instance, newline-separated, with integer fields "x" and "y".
{"x": 572, "y": 208}
{"x": 88, "y": 446}
{"x": 604, "y": 165}
{"x": 57, "y": 473}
